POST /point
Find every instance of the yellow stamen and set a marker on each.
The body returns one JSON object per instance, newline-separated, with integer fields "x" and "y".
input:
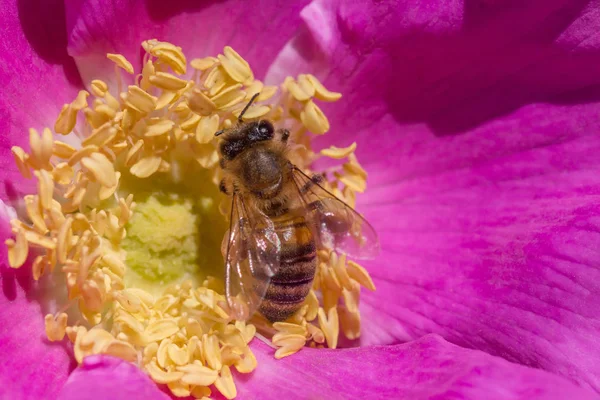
{"x": 229, "y": 97}
{"x": 101, "y": 136}
{"x": 237, "y": 68}
{"x": 165, "y": 81}
{"x": 217, "y": 79}
{"x": 197, "y": 374}
{"x": 339, "y": 153}
{"x": 253, "y": 113}
{"x": 288, "y": 344}
{"x": 84, "y": 219}
{"x": 206, "y": 129}
{"x": 98, "y": 87}
{"x": 22, "y": 161}
{"x": 146, "y": 166}
{"x": 224, "y": 383}
{"x": 203, "y": 64}
{"x": 167, "y": 53}
{"x": 313, "y": 118}
{"x": 360, "y": 275}
{"x": 56, "y": 326}
{"x": 321, "y": 92}
{"x": 330, "y": 326}
{"x": 300, "y": 92}
{"x": 121, "y": 62}
{"x": 199, "y": 103}
{"x": 139, "y": 100}
{"x": 62, "y": 150}
{"x": 17, "y": 250}
{"x": 350, "y": 323}
{"x": 41, "y": 148}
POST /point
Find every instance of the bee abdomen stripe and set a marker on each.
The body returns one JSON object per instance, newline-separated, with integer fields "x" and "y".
{"x": 274, "y": 311}
{"x": 297, "y": 271}
{"x": 291, "y": 253}
{"x": 288, "y": 292}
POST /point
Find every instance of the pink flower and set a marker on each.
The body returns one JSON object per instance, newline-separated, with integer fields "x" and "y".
{"x": 478, "y": 124}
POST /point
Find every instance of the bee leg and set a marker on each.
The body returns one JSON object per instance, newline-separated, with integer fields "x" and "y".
{"x": 285, "y": 134}
{"x": 223, "y": 187}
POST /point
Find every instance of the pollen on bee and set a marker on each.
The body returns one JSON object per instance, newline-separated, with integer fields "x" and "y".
{"x": 78, "y": 221}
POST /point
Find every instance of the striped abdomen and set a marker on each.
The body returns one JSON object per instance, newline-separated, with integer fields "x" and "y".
{"x": 298, "y": 263}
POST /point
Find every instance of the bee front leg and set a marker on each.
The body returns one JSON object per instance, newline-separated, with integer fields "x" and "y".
{"x": 225, "y": 187}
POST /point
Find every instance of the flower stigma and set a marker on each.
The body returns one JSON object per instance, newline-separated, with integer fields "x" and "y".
{"x": 128, "y": 222}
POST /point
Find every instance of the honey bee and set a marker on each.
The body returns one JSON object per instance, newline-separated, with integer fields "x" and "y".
{"x": 279, "y": 218}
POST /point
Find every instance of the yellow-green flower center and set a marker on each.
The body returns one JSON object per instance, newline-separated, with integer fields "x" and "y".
{"x": 173, "y": 234}
{"x": 162, "y": 240}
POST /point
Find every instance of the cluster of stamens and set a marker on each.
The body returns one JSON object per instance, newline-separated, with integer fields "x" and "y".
{"x": 165, "y": 121}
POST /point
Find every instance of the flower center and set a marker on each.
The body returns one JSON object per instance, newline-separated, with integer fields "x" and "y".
{"x": 162, "y": 240}
{"x": 173, "y": 234}
{"x": 133, "y": 219}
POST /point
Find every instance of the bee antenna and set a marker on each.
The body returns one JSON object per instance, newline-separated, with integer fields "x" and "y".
{"x": 248, "y": 106}
{"x": 219, "y": 132}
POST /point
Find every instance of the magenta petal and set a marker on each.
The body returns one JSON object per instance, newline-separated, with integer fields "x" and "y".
{"x": 257, "y": 31}
{"x": 478, "y": 124}
{"x": 31, "y": 366}
{"x": 498, "y": 255}
{"x": 429, "y": 368}
{"x": 37, "y": 76}
{"x": 105, "y": 377}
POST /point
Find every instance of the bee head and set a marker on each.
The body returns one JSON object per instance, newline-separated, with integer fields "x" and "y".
{"x": 245, "y": 136}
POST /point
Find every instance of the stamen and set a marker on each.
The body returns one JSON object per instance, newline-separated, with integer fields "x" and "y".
{"x": 253, "y": 112}
{"x": 22, "y": 161}
{"x": 321, "y": 93}
{"x": 139, "y": 100}
{"x": 121, "y": 62}
{"x": 206, "y": 129}
{"x": 237, "y": 68}
{"x": 300, "y": 92}
{"x": 84, "y": 220}
{"x": 98, "y": 88}
{"x": 202, "y": 64}
{"x": 339, "y": 153}
{"x": 313, "y": 118}
{"x": 330, "y": 326}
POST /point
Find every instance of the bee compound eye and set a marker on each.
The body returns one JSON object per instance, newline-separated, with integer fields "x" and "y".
{"x": 265, "y": 128}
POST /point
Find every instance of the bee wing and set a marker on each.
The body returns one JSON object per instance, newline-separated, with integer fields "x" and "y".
{"x": 337, "y": 225}
{"x": 251, "y": 248}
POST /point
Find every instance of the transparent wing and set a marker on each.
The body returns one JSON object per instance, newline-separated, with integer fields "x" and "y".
{"x": 337, "y": 225}
{"x": 251, "y": 251}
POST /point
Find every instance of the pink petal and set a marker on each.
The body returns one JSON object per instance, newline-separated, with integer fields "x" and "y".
{"x": 257, "y": 31}
{"x": 429, "y": 368}
{"x": 31, "y": 367}
{"x": 104, "y": 377}
{"x": 37, "y": 75}
{"x": 478, "y": 124}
